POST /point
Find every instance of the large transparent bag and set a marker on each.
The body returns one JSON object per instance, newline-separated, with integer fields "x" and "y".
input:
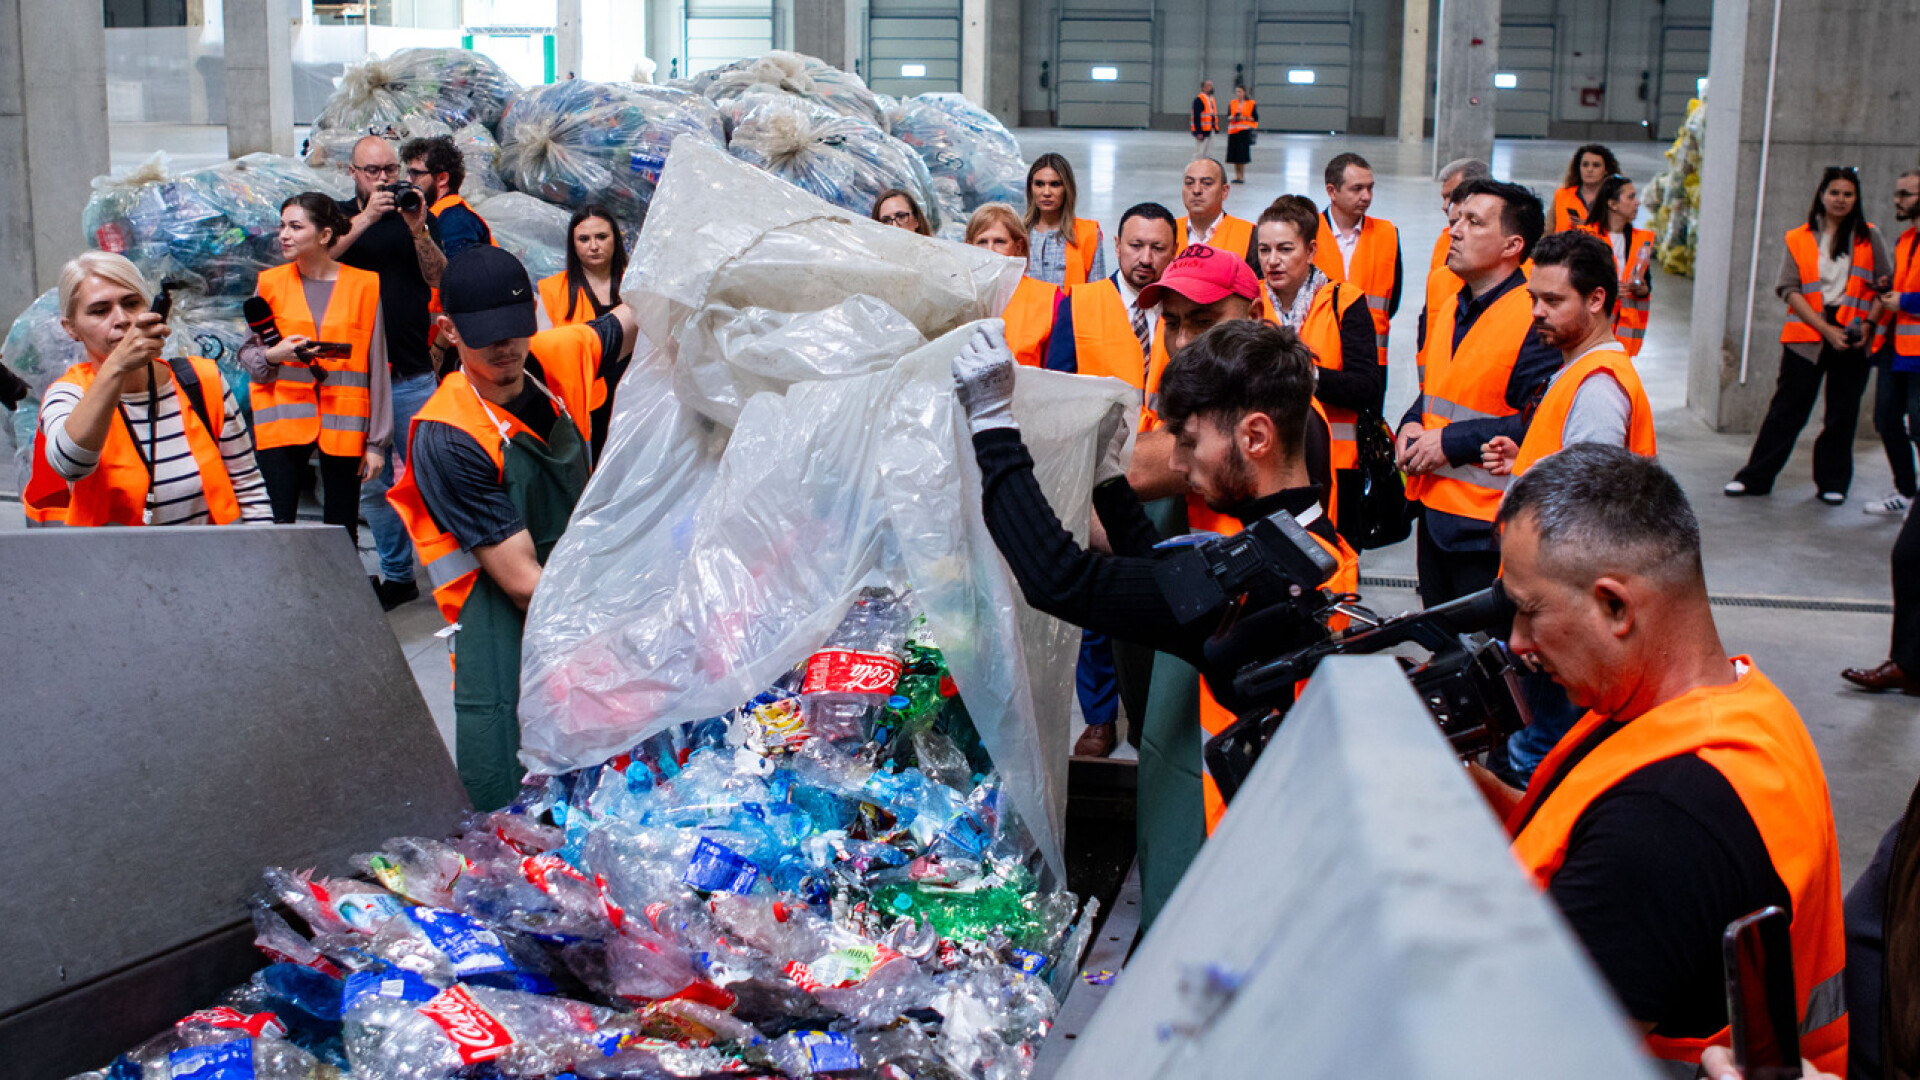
{"x": 846, "y": 161}
{"x": 791, "y": 437}
{"x": 965, "y": 146}
{"x": 535, "y": 231}
{"x": 793, "y": 74}
{"x": 577, "y": 141}
{"x": 454, "y": 86}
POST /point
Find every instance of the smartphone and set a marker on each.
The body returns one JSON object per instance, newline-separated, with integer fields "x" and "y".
{"x": 1758, "y": 953}
{"x": 163, "y": 303}
{"x": 330, "y": 350}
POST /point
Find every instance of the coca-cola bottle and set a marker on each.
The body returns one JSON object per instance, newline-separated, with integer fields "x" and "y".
{"x": 849, "y": 679}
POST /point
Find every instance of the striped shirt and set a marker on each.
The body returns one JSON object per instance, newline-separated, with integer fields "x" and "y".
{"x": 177, "y": 496}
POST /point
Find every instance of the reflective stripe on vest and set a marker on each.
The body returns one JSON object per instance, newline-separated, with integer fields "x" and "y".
{"x": 1803, "y": 246}
{"x": 1375, "y": 258}
{"x": 1469, "y": 385}
{"x": 1240, "y": 116}
{"x": 1029, "y": 319}
{"x": 115, "y": 492}
{"x": 1906, "y": 279}
{"x": 1104, "y": 344}
{"x": 1750, "y": 733}
{"x": 1630, "y": 312}
{"x": 1231, "y": 234}
{"x": 1547, "y": 426}
{"x": 1209, "y": 118}
{"x": 292, "y": 409}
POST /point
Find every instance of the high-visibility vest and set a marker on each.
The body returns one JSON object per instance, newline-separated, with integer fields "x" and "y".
{"x": 1469, "y": 385}
{"x": 1803, "y": 244}
{"x": 1630, "y": 312}
{"x": 1440, "y": 249}
{"x": 1751, "y": 734}
{"x": 1549, "y": 420}
{"x": 1209, "y": 121}
{"x": 1029, "y": 319}
{"x": 1104, "y": 344}
{"x": 1375, "y": 258}
{"x": 1569, "y": 210}
{"x": 1083, "y": 244}
{"x": 1233, "y": 235}
{"x": 115, "y": 492}
{"x": 1320, "y": 331}
{"x": 290, "y": 410}
{"x": 1240, "y": 116}
{"x": 568, "y": 355}
{"x": 1906, "y": 279}
{"x": 1442, "y": 286}
{"x": 554, "y": 301}
{"x": 1216, "y": 718}
{"x": 447, "y": 201}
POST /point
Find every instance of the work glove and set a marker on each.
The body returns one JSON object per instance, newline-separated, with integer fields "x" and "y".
{"x": 983, "y": 379}
{"x": 1116, "y": 429}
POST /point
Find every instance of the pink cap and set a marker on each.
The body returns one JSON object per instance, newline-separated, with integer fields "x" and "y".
{"x": 1204, "y": 275}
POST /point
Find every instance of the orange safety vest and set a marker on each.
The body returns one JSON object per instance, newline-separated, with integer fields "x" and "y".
{"x": 1469, "y": 386}
{"x": 1029, "y": 319}
{"x": 115, "y": 492}
{"x": 1375, "y": 259}
{"x": 1320, "y": 331}
{"x": 289, "y": 410}
{"x": 1752, "y": 735}
{"x": 1209, "y": 119}
{"x": 554, "y": 300}
{"x": 1084, "y": 244}
{"x": 568, "y": 355}
{"x": 1233, "y": 235}
{"x": 1906, "y": 279}
{"x": 1550, "y": 418}
{"x": 1804, "y": 245}
{"x": 1104, "y": 344}
{"x": 1240, "y": 116}
{"x": 1630, "y": 313}
{"x": 1440, "y": 249}
{"x": 1216, "y": 718}
{"x": 447, "y": 201}
{"x": 1569, "y": 210}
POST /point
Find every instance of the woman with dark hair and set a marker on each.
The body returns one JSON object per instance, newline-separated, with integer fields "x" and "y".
{"x": 1830, "y": 278}
{"x": 1590, "y": 167}
{"x": 325, "y": 386}
{"x": 1063, "y": 249}
{"x": 898, "y": 208}
{"x": 1610, "y": 217}
{"x": 588, "y": 288}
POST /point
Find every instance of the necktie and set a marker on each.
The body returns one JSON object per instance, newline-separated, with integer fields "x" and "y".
{"x": 1145, "y": 333}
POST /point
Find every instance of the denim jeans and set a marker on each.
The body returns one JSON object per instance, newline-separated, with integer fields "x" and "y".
{"x": 390, "y": 537}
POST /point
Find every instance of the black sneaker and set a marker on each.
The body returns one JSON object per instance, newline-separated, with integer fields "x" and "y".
{"x": 395, "y": 593}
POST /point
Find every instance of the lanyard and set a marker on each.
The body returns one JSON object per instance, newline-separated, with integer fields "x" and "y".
{"x": 561, "y": 415}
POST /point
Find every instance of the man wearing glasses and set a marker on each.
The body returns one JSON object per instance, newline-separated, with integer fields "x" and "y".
{"x": 397, "y": 246}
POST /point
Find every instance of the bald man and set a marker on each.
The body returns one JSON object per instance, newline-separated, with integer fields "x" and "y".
{"x": 398, "y": 247}
{"x": 1203, "y": 191}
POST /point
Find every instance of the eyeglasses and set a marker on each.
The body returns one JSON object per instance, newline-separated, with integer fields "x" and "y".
{"x": 377, "y": 170}
{"x": 904, "y": 217}
{"x": 418, "y": 174}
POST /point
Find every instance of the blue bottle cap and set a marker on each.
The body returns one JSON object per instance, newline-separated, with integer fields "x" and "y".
{"x": 899, "y": 701}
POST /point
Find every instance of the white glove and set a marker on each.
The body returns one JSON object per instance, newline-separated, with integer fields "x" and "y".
{"x": 983, "y": 378}
{"x": 1115, "y": 432}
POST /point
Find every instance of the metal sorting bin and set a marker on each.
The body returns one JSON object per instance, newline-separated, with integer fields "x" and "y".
{"x": 183, "y": 707}
{"x": 1358, "y": 913}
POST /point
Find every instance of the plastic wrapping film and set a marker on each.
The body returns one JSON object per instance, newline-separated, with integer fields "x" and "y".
{"x": 966, "y": 149}
{"x": 577, "y": 141}
{"x": 535, "y": 231}
{"x": 454, "y": 86}
{"x": 845, "y": 161}
{"x": 791, "y": 74}
{"x": 214, "y": 228}
{"x": 791, "y": 438}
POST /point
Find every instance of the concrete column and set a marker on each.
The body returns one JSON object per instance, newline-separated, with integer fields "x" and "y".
{"x": 259, "y": 74}
{"x": 53, "y": 138}
{"x": 975, "y": 48}
{"x": 1814, "y": 125}
{"x": 1413, "y": 72}
{"x": 569, "y": 42}
{"x": 1005, "y": 40}
{"x": 1463, "y": 104}
{"x": 820, "y": 29}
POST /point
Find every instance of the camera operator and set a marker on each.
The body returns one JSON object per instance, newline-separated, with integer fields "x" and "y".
{"x": 436, "y": 167}
{"x": 396, "y": 245}
{"x": 1235, "y": 403}
{"x": 1690, "y": 794}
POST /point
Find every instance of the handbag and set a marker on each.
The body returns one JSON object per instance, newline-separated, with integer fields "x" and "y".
{"x": 1381, "y": 515}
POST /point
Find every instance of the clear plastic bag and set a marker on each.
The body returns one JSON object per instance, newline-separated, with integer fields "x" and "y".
{"x": 842, "y": 159}
{"x": 454, "y": 86}
{"x": 534, "y": 230}
{"x": 790, "y": 439}
{"x": 577, "y": 141}
{"x": 795, "y": 75}
{"x": 966, "y": 145}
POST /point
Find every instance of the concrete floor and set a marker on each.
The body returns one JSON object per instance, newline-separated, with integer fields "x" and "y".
{"x": 1786, "y": 546}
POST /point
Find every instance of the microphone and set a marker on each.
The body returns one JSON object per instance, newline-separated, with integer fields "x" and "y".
{"x": 259, "y": 316}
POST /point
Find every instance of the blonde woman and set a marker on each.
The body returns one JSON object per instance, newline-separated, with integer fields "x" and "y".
{"x": 1029, "y": 315}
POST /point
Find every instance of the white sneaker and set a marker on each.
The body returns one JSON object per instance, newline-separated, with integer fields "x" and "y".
{"x": 1894, "y": 503}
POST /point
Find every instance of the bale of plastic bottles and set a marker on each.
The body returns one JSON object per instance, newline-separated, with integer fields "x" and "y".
{"x": 577, "y": 141}
{"x": 457, "y": 87}
{"x": 534, "y": 231}
{"x": 842, "y": 159}
{"x": 966, "y": 149}
{"x": 214, "y": 229}
{"x": 794, "y": 75}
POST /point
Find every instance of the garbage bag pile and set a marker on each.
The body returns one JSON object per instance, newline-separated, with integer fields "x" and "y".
{"x": 1675, "y": 194}
{"x": 829, "y": 879}
{"x": 844, "y": 160}
{"x": 576, "y": 142}
{"x": 534, "y": 231}
{"x": 779, "y": 72}
{"x": 37, "y": 350}
{"x": 211, "y": 229}
{"x": 963, "y": 146}
{"x": 457, "y": 87}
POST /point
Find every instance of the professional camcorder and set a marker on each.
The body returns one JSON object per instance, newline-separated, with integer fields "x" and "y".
{"x": 406, "y": 197}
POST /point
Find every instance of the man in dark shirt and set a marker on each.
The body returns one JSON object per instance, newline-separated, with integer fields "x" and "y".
{"x": 436, "y": 167}
{"x": 398, "y": 247}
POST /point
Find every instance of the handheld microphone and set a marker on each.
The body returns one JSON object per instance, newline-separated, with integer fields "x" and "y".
{"x": 259, "y": 316}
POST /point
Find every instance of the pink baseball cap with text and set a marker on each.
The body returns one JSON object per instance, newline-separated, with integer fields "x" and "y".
{"x": 1204, "y": 275}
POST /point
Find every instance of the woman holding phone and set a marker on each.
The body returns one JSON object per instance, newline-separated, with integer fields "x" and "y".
{"x": 324, "y": 386}
{"x": 1610, "y": 217}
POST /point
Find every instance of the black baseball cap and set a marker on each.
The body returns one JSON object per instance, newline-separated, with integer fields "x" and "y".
{"x": 487, "y": 294}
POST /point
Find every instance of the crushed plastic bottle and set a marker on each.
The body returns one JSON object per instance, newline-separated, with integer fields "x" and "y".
{"x": 849, "y": 679}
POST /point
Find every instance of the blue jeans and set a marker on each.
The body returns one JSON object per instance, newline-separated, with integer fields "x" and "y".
{"x": 1094, "y": 680}
{"x": 1553, "y": 716}
{"x": 390, "y": 537}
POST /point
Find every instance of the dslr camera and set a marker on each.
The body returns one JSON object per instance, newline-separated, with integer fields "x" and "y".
{"x": 406, "y": 197}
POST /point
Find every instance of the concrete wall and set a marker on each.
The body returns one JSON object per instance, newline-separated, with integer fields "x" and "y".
{"x": 1864, "y": 120}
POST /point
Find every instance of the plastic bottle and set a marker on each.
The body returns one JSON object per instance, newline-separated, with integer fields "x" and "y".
{"x": 850, "y": 678}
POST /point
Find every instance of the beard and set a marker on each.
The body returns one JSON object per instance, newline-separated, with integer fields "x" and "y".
{"x": 1234, "y": 485}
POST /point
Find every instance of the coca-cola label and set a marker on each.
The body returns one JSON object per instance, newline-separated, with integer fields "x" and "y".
{"x": 616, "y": 914}
{"x": 845, "y": 671}
{"x": 255, "y": 1024}
{"x": 476, "y": 1034}
{"x": 542, "y": 871}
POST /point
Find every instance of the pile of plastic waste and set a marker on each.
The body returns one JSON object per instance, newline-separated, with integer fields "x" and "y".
{"x": 534, "y": 231}
{"x": 972, "y": 156}
{"x": 844, "y": 160}
{"x": 333, "y": 149}
{"x": 457, "y": 87}
{"x": 790, "y": 74}
{"x": 577, "y": 142}
{"x": 825, "y": 880}
{"x": 1675, "y": 194}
